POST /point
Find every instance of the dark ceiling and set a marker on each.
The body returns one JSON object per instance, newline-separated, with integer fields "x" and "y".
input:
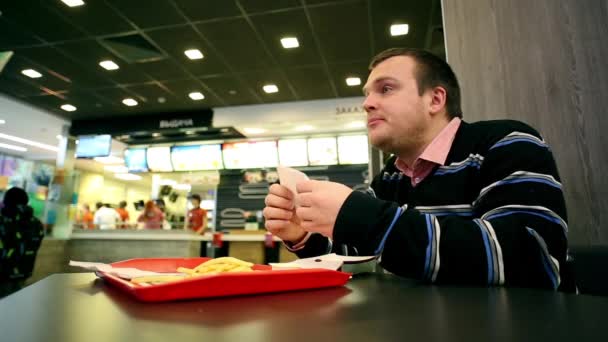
{"x": 240, "y": 40}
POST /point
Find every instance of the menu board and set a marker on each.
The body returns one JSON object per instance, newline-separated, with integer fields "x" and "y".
{"x": 135, "y": 159}
{"x": 293, "y": 152}
{"x": 322, "y": 151}
{"x": 90, "y": 146}
{"x": 353, "y": 149}
{"x": 159, "y": 159}
{"x": 236, "y": 155}
{"x": 250, "y": 155}
{"x": 196, "y": 157}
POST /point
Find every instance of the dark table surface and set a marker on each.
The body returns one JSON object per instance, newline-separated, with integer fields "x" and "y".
{"x": 371, "y": 307}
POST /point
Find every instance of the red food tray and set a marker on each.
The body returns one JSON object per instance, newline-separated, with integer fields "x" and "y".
{"x": 263, "y": 280}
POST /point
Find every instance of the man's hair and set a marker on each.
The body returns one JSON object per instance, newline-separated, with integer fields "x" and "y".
{"x": 196, "y": 197}
{"x": 431, "y": 71}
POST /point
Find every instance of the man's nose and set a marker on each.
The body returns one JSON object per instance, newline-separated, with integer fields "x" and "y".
{"x": 369, "y": 104}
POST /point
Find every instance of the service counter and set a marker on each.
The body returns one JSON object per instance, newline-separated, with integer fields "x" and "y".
{"x": 114, "y": 245}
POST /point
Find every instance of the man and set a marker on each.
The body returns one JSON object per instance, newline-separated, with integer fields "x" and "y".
{"x": 20, "y": 237}
{"x": 197, "y": 216}
{"x": 123, "y": 214}
{"x": 470, "y": 203}
{"x": 106, "y": 217}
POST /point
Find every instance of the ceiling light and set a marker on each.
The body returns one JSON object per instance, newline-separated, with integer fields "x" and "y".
{"x": 77, "y": 141}
{"x": 254, "y": 130}
{"x": 190, "y": 132}
{"x": 193, "y": 54}
{"x": 68, "y": 107}
{"x": 353, "y": 81}
{"x": 31, "y": 73}
{"x": 356, "y": 124}
{"x": 129, "y": 102}
{"x": 29, "y": 142}
{"x": 304, "y": 128}
{"x": 271, "y": 88}
{"x": 13, "y": 147}
{"x": 399, "y": 29}
{"x": 2, "y": 122}
{"x": 109, "y": 160}
{"x": 127, "y": 176}
{"x": 73, "y": 3}
{"x": 116, "y": 168}
{"x": 156, "y": 135}
{"x": 59, "y": 136}
{"x": 290, "y": 42}
{"x": 108, "y": 65}
{"x": 196, "y": 96}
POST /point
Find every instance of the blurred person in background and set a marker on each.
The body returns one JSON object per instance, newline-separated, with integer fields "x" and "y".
{"x": 197, "y": 216}
{"x": 86, "y": 217}
{"x": 152, "y": 217}
{"x": 106, "y": 217}
{"x": 20, "y": 236}
{"x": 124, "y": 214}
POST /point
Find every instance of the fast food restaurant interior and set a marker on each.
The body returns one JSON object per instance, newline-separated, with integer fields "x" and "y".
{"x": 120, "y": 119}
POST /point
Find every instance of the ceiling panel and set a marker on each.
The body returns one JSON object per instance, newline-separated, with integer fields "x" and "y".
{"x": 210, "y": 64}
{"x": 208, "y": 9}
{"x": 237, "y": 43}
{"x": 239, "y": 38}
{"x": 146, "y": 13}
{"x": 275, "y": 26}
{"x": 343, "y": 31}
{"x": 232, "y": 91}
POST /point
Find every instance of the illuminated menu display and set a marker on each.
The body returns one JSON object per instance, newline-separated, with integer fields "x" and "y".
{"x": 196, "y": 157}
{"x": 135, "y": 159}
{"x": 353, "y": 149}
{"x": 293, "y": 152}
{"x": 322, "y": 151}
{"x": 90, "y": 146}
{"x": 248, "y": 155}
{"x": 159, "y": 159}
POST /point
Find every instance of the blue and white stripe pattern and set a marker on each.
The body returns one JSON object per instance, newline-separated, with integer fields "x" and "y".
{"x": 515, "y": 137}
{"x": 520, "y": 177}
{"x": 392, "y": 177}
{"x": 465, "y": 210}
{"x": 533, "y": 210}
{"x": 398, "y": 213}
{"x": 550, "y": 264}
{"x": 432, "y": 260}
{"x": 496, "y": 269}
{"x": 473, "y": 160}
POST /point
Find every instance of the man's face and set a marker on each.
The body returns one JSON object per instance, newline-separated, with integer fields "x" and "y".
{"x": 397, "y": 116}
{"x": 195, "y": 203}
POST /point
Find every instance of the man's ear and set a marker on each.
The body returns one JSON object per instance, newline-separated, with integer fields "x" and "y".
{"x": 438, "y": 100}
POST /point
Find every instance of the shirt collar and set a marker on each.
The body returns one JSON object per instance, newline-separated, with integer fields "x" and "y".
{"x": 437, "y": 151}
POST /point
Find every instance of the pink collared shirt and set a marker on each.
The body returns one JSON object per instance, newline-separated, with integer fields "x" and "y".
{"x": 434, "y": 154}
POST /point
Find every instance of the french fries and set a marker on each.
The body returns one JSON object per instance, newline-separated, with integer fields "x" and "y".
{"x": 209, "y": 267}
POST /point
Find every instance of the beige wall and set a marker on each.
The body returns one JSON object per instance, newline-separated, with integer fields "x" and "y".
{"x": 544, "y": 62}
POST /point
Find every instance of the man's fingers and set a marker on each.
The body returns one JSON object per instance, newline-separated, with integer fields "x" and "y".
{"x": 280, "y": 190}
{"x": 305, "y": 214}
{"x": 271, "y": 213}
{"x": 275, "y": 226}
{"x": 278, "y": 202}
{"x": 305, "y": 186}
{"x": 305, "y": 199}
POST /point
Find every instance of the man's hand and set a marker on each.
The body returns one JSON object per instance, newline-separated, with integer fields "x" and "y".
{"x": 320, "y": 203}
{"x": 279, "y": 214}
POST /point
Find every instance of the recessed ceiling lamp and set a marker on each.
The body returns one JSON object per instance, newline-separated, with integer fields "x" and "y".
{"x": 290, "y": 42}
{"x": 196, "y": 95}
{"x": 270, "y": 88}
{"x": 108, "y": 65}
{"x": 31, "y": 73}
{"x": 193, "y": 54}
{"x": 399, "y": 29}
{"x": 68, "y": 107}
{"x": 129, "y": 102}
{"x": 353, "y": 81}
{"x": 73, "y": 3}
{"x": 2, "y": 122}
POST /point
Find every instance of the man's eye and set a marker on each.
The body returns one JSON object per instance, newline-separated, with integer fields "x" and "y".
{"x": 386, "y": 89}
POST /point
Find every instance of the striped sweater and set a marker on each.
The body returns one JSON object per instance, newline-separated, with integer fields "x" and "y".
{"x": 494, "y": 214}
